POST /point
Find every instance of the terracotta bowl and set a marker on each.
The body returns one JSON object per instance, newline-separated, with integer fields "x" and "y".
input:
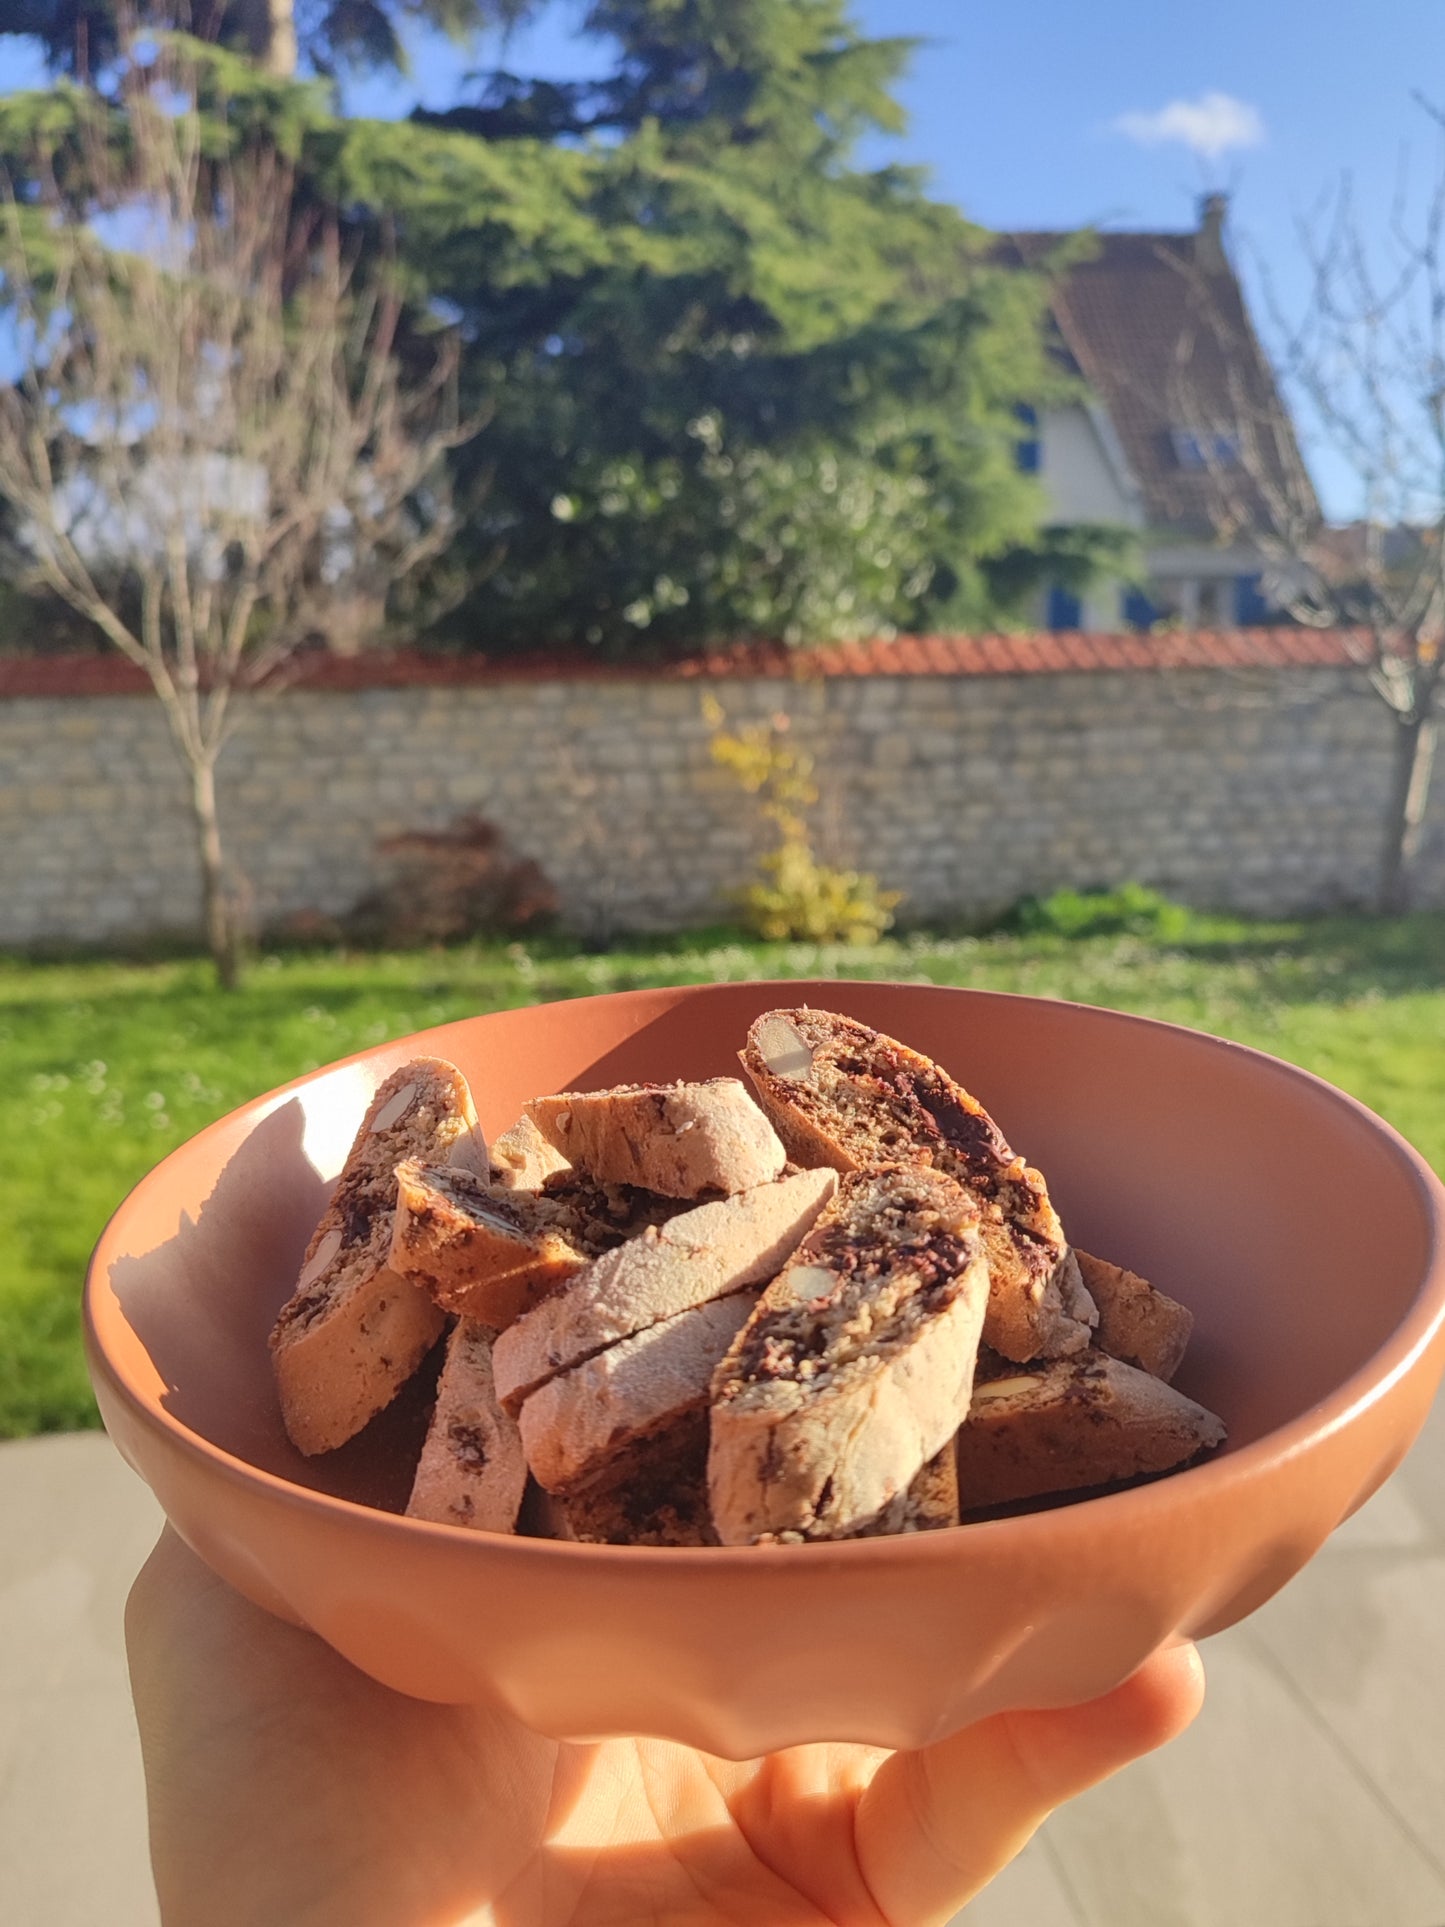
{"x": 1304, "y": 1233}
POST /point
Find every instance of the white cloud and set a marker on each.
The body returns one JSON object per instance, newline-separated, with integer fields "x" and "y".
{"x": 1209, "y": 126}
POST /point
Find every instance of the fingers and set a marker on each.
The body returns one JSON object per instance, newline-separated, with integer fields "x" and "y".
{"x": 937, "y": 1825}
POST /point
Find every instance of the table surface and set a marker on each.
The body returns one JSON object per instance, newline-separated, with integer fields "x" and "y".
{"x": 1310, "y": 1793}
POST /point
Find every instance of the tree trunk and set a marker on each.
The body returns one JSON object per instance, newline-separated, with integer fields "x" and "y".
{"x": 1409, "y": 793}
{"x": 269, "y": 29}
{"x": 222, "y": 936}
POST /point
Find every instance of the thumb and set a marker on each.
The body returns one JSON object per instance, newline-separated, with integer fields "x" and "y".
{"x": 936, "y": 1825}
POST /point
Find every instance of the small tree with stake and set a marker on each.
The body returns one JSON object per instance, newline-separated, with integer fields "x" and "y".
{"x": 1368, "y": 361}
{"x": 224, "y": 443}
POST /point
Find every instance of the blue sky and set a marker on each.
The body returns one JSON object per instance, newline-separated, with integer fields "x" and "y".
{"x": 1049, "y": 113}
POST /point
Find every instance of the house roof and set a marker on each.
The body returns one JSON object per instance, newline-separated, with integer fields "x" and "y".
{"x": 1027, "y": 654}
{"x": 1157, "y": 325}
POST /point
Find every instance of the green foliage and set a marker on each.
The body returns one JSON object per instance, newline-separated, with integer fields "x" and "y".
{"x": 738, "y": 385}
{"x": 782, "y": 398}
{"x": 797, "y": 898}
{"x": 32, "y": 625}
{"x": 731, "y": 69}
{"x": 1071, "y": 556}
{"x": 1133, "y": 909}
{"x": 85, "y": 36}
{"x": 800, "y": 900}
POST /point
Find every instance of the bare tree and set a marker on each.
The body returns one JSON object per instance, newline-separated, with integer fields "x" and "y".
{"x": 1368, "y": 363}
{"x": 220, "y": 448}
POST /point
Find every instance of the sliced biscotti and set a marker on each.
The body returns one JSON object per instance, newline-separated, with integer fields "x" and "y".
{"x": 523, "y": 1160}
{"x": 472, "y": 1471}
{"x": 844, "y": 1095}
{"x": 930, "y": 1501}
{"x": 489, "y": 1253}
{"x": 353, "y": 1331}
{"x": 854, "y": 1371}
{"x": 1137, "y": 1323}
{"x": 653, "y": 1494}
{"x": 1074, "y": 1423}
{"x": 600, "y": 1216}
{"x": 483, "y": 1253}
{"x": 680, "y": 1139}
{"x": 699, "y": 1255}
{"x": 577, "y": 1424}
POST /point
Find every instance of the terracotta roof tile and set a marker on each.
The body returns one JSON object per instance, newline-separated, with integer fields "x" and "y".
{"x": 1049, "y": 652}
{"x": 1086, "y": 652}
{"x": 1223, "y": 651}
{"x": 986, "y": 655}
{"x": 69, "y": 676}
{"x": 1308, "y": 645}
{"x": 1133, "y": 318}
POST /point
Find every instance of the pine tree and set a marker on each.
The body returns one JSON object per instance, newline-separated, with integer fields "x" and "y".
{"x": 82, "y": 37}
{"x": 786, "y": 404}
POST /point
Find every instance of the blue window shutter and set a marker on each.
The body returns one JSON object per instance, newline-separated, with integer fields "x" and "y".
{"x": 1137, "y": 610}
{"x": 1250, "y": 607}
{"x": 1065, "y": 610}
{"x": 1026, "y": 452}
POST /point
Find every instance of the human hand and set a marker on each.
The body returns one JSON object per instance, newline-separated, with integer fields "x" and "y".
{"x": 286, "y": 1789}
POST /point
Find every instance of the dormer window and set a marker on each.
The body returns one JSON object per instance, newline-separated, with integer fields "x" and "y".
{"x": 1201, "y": 448}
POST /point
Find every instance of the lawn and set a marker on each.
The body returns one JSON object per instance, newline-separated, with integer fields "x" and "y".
{"x": 108, "y": 1065}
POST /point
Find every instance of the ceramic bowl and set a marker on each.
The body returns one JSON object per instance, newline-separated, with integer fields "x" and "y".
{"x": 1301, "y": 1230}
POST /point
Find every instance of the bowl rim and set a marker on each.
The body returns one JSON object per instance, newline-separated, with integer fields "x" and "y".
{"x": 1401, "y": 1351}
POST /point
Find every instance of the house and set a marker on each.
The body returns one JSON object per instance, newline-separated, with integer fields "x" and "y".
{"x": 1182, "y": 434}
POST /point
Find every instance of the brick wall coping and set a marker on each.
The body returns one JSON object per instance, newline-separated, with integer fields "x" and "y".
{"x": 994, "y": 655}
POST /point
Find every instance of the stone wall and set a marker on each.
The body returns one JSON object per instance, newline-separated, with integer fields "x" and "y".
{"x": 1262, "y": 789}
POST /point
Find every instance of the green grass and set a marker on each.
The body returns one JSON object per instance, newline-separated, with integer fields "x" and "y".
{"x": 108, "y": 1065}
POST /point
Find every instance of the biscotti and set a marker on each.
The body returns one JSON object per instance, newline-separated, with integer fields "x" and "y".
{"x": 1071, "y": 1424}
{"x": 1137, "y": 1323}
{"x": 929, "y": 1502}
{"x": 653, "y": 1494}
{"x": 353, "y": 1331}
{"x": 701, "y": 1254}
{"x": 482, "y": 1253}
{"x": 855, "y": 1369}
{"x": 680, "y": 1139}
{"x": 472, "y": 1471}
{"x": 575, "y": 1425}
{"x": 523, "y": 1160}
{"x": 490, "y": 1253}
{"x": 651, "y": 1344}
{"x": 843, "y": 1095}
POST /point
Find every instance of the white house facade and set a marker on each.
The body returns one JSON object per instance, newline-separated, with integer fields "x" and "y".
{"x": 1154, "y": 327}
